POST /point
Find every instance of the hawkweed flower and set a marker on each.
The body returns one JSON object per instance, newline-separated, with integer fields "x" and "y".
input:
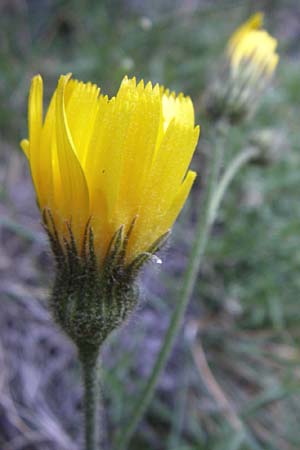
{"x": 251, "y": 60}
{"x": 111, "y": 176}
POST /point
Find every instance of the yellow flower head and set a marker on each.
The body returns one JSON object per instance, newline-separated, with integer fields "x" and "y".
{"x": 110, "y": 164}
{"x": 252, "y": 51}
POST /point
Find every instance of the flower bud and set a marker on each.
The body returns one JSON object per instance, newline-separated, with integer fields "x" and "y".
{"x": 251, "y": 60}
{"x": 270, "y": 144}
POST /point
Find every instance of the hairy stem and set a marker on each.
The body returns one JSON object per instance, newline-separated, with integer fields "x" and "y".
{"x": 88, "y": 358}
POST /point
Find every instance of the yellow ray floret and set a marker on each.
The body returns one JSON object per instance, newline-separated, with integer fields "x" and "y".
{"x": 255, "y": 22}
{"x": 109, "y": 161}
{"x": 252, "y": 50}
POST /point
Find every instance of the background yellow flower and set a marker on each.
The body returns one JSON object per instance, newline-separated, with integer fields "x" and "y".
{"x": 251, "y": 49}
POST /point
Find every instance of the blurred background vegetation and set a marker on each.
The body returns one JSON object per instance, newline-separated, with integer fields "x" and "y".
{"x": 233, "y": 381}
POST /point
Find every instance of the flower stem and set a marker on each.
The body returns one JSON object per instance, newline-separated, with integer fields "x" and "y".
{"x": 201, "y": 237}
{"x": 233, "y": 168}
{"x": 88, "y": 358}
